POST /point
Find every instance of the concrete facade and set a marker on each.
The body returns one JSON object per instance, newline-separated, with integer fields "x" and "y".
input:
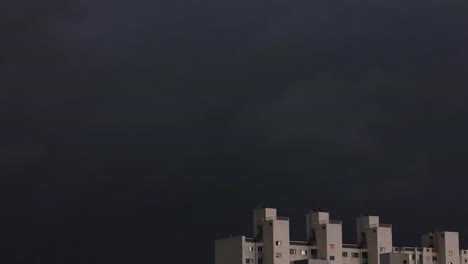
{"x": 374, "y": 236}
{"x": 271, "y": 244}
{"x": 326, "y": 235}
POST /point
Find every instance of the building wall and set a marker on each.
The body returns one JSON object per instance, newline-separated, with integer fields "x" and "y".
{"x": 379, "y": 241}
{"x": 350, "y": 258}
{"x": 464, "y": 256}
{"x": 412, "y": 255}
{"x": 313, "y": 219}
{"x": 446, "y": 244}
{"x": 275, "y": 231}
{"x": 333, "y": 243}
{"x": 362, "y": 224}
{"x": 428, "y": 240}
{"x": 251, "y": 251}
{"x": 326, "y": 234}
{"x": 448, "y": 247}
{"x": 229, "y": 250}
{"x": 396, "y": 258}
{"x": 261, "y": 215}
{"x": 318, "y": 261}
{"x": 300, "y": 252}
{"x": 377, "y": 238}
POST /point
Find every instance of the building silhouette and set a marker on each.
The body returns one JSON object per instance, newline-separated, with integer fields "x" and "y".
{"x": 271, "y": 244}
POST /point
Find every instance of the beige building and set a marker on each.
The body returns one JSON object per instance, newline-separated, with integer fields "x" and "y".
{"x": 271, "y": 244}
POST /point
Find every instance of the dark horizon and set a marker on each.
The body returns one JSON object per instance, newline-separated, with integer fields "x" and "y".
{"x": 130, "y": 127}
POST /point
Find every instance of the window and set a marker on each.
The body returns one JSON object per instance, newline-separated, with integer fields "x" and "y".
{"x": 450, "y": 253}
{"x": 260, "y": 249}
{"x": 427, "y": 250}
{"x": 251, "y": 249}
{"x": 355, "y": 255}
{"x": 313, "y": 253}
{"x": 382, "y": 249}
{"x": 345, "y": 254}
{"x": 260, "y": 261}
{"x": 428, "y": 258}
{"x": 450, "y": 263}
{"x": 332, "y": 257}
{"x": 303, "y": 252}
{"x": 292, "y": 251}
{"x": 464, "y": 252}
{"x": 278, "y": 243}
{"x": 434, "y": 258}
{"x": 332, "y": 245}
{"x": 466, "y": 260}
{"x": 278, "y": 255}
{"x": 405, "y": 261}
{"x": 249, "y": 261}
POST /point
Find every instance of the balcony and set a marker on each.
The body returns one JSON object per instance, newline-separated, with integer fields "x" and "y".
{"x": 351, "y": 246}
{"x": 299, "y": 243}
{"x": 411, "y": 249}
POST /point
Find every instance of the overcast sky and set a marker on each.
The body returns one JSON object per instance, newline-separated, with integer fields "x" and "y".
{"x": 141, "y": 131}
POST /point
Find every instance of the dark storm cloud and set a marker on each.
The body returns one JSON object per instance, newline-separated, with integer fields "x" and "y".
{"x": 130, "y": 126}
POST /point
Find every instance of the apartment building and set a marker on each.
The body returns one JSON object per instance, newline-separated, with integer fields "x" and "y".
{"x": 271, "y": 244}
